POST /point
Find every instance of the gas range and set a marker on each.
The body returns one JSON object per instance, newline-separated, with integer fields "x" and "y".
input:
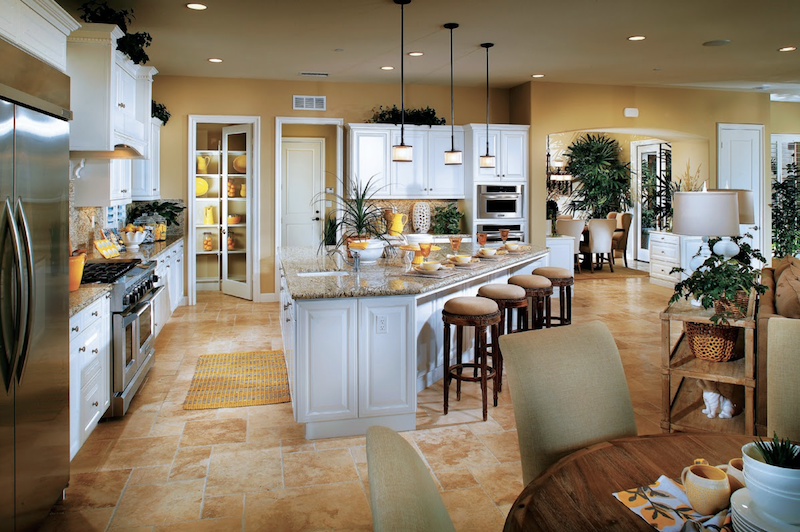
{"x": 130, "y": 279}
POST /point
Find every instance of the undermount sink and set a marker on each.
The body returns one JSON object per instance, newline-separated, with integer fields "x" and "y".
{"x": 323, "y": 274}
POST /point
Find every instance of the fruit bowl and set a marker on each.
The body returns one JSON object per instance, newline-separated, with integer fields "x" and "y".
{"x": 132, "y": 239}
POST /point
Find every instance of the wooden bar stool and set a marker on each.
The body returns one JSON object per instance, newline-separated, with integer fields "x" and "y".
{"x": 478, "y": 312}
{"x": 539, "y": 289}
{"x": 563, "y": 279}
{"x": 508, "y": 297}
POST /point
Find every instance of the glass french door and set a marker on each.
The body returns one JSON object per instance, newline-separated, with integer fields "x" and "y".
{"x": 236, "y": 241}
{"x": 652, "y": 170}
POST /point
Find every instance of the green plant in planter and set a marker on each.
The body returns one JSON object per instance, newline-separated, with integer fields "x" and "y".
{"x": 602, "y": 183}
{"x": 447, "y": 220}
{"x": 418, "y": 117}
{"x": 718, "y": 279}
{"x": 786, "y": 213}
{"x": 130, "y": 44}
{"x": 167, "y": 209}
{"x": 779, "y": 452}
{"x": 355, "y": 214}
{"x": 159, "y": 110}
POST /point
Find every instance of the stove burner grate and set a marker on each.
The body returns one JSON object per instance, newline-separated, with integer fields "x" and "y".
{"x": 105, "y": 272}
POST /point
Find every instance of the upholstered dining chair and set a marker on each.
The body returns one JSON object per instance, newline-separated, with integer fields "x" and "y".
{"x": 600, "y": 241}
{"x": 620, "y": 237}
{"x": 783, "y": 378}
{"x": 569, "y": 391}
{"x": 402, "y": 493}
{"x": 573, "y": 228}
{"x": 564, "y": 217}
{"x": 611, "y": 216}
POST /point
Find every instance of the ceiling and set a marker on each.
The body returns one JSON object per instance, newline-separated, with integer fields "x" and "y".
{"x": 570, "y": 41}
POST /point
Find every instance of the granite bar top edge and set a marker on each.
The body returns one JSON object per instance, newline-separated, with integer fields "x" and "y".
{"x": 85, "y": 296}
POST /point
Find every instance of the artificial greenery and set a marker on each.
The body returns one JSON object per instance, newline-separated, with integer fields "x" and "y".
{"x": 329, "y": 231}
{"x": 718, "y": 279}
{"x": 779, "y": 452}
{"x": 658, "y": 190}
{"x": 418, "y": 117}
{"x": 130, "y": 44}
{"x": 447, "y": 220}
{"x": 159, "y": 110}
{"x": 786, "y": 213}
{"x": 602, "y": 183}
{"x": 169, "y": 210}
{"x": 356, "y": 214}
{"x": 552, "y": 209}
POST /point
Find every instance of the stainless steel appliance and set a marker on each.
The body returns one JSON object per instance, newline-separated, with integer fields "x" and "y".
{"x": 500, "y": 201}
{"x": 515, "y": 232}
{"x": 34, "y": 301}
{"x": 133, "y": 287}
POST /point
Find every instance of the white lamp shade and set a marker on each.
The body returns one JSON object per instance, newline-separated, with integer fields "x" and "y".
{"x": 402, "y": 153}
{"x": 486, "y": 161}
{"x": 706, "y": 213}
{"x": 453, "y": 157}
{"x": 746, "y": 214}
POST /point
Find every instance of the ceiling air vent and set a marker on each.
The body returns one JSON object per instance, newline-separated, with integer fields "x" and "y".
{"x": 309, "y": 103}
{"x": 314, "y": 74}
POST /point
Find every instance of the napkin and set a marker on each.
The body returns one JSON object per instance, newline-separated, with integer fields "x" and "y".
{"x": 665, "y": 506}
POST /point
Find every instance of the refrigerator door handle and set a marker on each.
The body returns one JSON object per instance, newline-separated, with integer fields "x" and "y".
{"x": 22, "y": 361}
{"x": 7, "y": 224}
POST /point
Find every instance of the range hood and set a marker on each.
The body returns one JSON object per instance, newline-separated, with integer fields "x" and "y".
{"x": 121, "y": 151}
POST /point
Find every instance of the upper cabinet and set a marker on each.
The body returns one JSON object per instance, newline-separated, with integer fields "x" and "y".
{"x": 145, "y": 173}
{"x": 426, "y": 177}
{"x": 40, "y": 27}
{"x": 104, "y": 183}
{"x": 509, "y": 145}
{"x": 111, "y": 95}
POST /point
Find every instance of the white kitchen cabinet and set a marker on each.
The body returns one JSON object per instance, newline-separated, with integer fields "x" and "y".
{"x": 89, "y": 369}
{"x": 176, "y": 276}
{"x": 669, "y": 250}
{"x": 161, "y": 303}
{"x": 287, "y": 318}
{"x": 38, "y": 27}
{"x": 371, "y": 156}
{"x": 410, "y": 179}
{"x": 110, "y": 95}
{"x": 104, "y": 183}
{"x": 509, "y": 145}
{"x": 146, "y": 173}
{"x": 444, "y": 180}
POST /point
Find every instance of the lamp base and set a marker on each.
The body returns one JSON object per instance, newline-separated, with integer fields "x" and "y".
{"x": 726, "y": 248}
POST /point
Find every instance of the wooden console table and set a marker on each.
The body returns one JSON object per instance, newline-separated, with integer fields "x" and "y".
{"x": 681, "y": 396}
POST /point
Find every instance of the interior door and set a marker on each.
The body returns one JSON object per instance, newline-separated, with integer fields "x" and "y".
{"x": 303, "y": 169}
{"x": 236, "y": 244}
{"x": 649, "y": 167}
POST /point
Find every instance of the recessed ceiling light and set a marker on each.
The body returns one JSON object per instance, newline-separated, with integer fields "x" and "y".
{"x": 214, "y": 60}
{"x": 338, "y": 49}
{"x": 537, "y": 76}
{"x": 717, "y": 42}
{"x": 197, "y": 7}
{"x": 387, "y": 68}
{"x": 787, "y": 49}
{"x": 636, "y": 38}
{"x": 415, "y": 54}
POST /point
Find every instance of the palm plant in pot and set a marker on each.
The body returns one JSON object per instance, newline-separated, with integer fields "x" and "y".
{"x": 602, "y": 183}
{"x": 772, "y": 475}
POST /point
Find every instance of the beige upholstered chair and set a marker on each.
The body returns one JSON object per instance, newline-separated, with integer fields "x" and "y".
{"x": 403, "y": 496}
{"x": 564, "y": 217}
{"x": 600, "y": 240}
{"x": 569, "y": 391}
{"x": 611, "y": 216}
{"x": 783, "y": 378}
{"x": 573, "y": 228}
{"x": 620, "y": 238}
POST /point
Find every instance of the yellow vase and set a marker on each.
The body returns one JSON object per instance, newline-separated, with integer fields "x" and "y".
{"x": 202, "y": 164}
{"x": 243, "y": 191}
{"x": 208, "y": 216}
{"x": 398, "y": 224}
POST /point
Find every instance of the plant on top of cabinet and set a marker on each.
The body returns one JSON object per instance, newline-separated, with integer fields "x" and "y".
{"x": 356, "y": 214}
{"x": 602, "y": 182}
{"x": 169, "y": 210}
{"x": 786, "y": 213}
{"x": 159, "y": 110}
{"x": 417, "y": 117}
{"x": 130, "y": 44}
{"x": 447, "y": 220}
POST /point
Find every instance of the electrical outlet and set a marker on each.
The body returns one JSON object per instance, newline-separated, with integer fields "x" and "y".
{"x": 382, "y": 325}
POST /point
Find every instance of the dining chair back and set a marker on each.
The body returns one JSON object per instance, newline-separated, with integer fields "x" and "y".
{"x": 569, "y": 391}
{"x": 573, "y": 228}
{"x": 783, "y": 378}
{"x": 611, "y": 216}
{"x": 402, "y": 493}
{"x": 620, "y": 238}
{"x": 601, "y": 232}
{"x": 564, "y": 217}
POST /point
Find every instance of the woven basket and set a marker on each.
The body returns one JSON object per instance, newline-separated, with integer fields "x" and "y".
{"x": 711, "y": 342}
{"x": 734, "y": 309}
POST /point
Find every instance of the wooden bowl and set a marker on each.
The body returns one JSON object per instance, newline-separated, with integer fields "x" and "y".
{"x": 234, "y": 219}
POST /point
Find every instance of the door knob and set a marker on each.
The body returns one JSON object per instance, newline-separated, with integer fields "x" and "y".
{"x": 315, "y": 219}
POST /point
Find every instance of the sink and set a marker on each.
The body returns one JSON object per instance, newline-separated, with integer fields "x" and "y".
{"x": 323, "y": 274}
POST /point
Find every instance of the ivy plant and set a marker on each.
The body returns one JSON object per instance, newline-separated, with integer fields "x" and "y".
{"x": 168, "y": 209}
{"x": 419, "y": 117}
{"x": 159, "y": 110}
{"x": 447, "y": 220}
{"x": 786, "y": 213}
{"x": 130, "y": 44}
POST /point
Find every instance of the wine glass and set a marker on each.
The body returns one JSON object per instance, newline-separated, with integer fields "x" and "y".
{"x": 455, "y": 243}
{"x": 504, "y": 235}
{"x": 481, "y": 239}
{"x": 425, "y": 248}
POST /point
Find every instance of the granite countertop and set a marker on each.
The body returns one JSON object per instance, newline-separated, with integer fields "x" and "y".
{"x": 145, "y": 251}
{"x": 85, "y": 296}
{"x": 385, "y": 278}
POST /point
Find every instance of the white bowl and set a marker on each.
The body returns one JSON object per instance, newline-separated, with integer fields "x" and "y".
{"x": 775, "y": 490}
{"x": 372, "y": 253}
{"x": 132, "y": 239}
{"x": 417, "y": 238}
{"x": 512, "y": 246}
{"x": 488, "y": 252}
{"x": 430, "y": 266}
{"x": 461, "y": 259}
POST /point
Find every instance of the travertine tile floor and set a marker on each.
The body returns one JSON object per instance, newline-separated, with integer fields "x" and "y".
{"x": 161, "y": 468}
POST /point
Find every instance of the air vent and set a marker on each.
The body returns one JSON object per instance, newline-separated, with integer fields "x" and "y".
{"x": 314, "y": 74}
{"x": 309, "y": 103}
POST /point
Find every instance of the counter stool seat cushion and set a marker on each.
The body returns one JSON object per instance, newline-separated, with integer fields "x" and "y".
{"x": 470, "y": 306}
{"x": 530, "y": 281}
{"x": 553, "y": 272}
{"x": 502, "y": 291}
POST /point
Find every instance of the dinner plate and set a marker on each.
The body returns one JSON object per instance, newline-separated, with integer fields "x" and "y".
{"x": 201, "y": 186}
{"x": 427, "y": 272}
{"x": 752, "y": 519}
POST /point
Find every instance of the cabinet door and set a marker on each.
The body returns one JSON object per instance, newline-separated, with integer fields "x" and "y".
{"x": 120, "y": 191}
{"x": 145, "y": 179}
{"x": 326, "y": 353}
{"x": 386, "y": 356}
{"x": 161, "y": 308}
{"x": 479, "y": 145}
{"x": 408, "y": 179}
{"x": 370, "y": 155}
{"x": 444, "y": 181}
{"x": 513, "y": 157}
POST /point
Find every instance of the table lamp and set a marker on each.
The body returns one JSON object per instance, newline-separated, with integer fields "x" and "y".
{"x": 708, "y": 213}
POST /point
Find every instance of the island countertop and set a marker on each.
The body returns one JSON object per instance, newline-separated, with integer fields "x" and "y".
{"x": 388, "y": 277}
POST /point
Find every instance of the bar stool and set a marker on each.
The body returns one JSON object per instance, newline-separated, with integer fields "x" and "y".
{"x": 478, "y": 312}
{"x": 508, "y": 297}
{"x": 563, "y": 279}
{"x": 539, "y": 289}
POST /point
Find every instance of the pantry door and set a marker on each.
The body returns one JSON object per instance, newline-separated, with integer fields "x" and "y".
{"x": 237, "y": 239}
{"x": 302, "y": 168}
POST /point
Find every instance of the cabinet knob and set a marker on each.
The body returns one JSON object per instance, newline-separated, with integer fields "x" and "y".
{"x": 108, "y": 296}
{"x": 95, "y": 313}
{"x": 124, "y": 191}
{"x": 179, "y": 260}
{"x": 121, "y": 105}
{"x": 95, "y": 404}
{"x": 76, "y": 329}
{"x": 82, "y": 349}
{"x": 95, "y": 351}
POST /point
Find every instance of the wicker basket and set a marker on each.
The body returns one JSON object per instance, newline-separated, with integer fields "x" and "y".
{"x": 711, "y": 342}
{"x": 733, "y": 309}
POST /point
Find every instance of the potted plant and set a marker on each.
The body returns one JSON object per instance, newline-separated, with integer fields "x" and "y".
{"x": 447, "y": 220}
{"x": 130, "y": 44}
{"x": 772, "y": 474}
{"x": 602, "y": 183}
{"x": 169, "y": 210}
{"x": 786, "y": 213}
{"x": 419, "y": 117}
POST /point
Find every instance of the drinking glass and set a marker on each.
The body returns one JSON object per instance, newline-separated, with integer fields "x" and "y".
{"x": 503, "y": 235}
{"x": 455, "y": 243}
{"x": 482, "y": 239}
{"x": 425, "y": 248}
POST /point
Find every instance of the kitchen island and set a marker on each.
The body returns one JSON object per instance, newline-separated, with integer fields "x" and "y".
{"x": 359, "y": 346}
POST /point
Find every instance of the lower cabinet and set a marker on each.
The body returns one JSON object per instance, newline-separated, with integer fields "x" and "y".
{"x": 175, "y": 274}
{"x": 161, "y": 303}
{"x": 89, "y": 370}
{"x": 669, "y": 250}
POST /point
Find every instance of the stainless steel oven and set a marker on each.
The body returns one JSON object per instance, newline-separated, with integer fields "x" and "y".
{"x": 515, "y": 232}
{"x": 500, "y": 201}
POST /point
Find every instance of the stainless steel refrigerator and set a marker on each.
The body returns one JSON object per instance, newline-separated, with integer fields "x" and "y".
{"x": 34, "y": 299}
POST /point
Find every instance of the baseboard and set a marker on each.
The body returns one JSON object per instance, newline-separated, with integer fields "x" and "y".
{"x": 266, "y": 298}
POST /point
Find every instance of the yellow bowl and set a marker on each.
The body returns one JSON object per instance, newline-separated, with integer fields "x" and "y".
{"x": 234, "y": 219}
{"x": 201, "y": 186}
{"x": 359, "y": 245}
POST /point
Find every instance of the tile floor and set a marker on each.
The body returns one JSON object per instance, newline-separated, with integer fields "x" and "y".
{"x": 162, "y": 468}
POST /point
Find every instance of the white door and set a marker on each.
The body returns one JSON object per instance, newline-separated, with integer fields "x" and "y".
{"x": 647, "y": 159}
{"x": 303, "y": 168}
{"x": 236, "y": 243}
{"x": 741, "y": 165}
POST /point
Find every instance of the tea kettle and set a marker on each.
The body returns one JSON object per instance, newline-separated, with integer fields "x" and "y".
{"x": 398, "y": 223}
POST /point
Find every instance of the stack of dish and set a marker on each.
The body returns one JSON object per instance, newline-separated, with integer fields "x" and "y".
{"x": 748, "y": 517}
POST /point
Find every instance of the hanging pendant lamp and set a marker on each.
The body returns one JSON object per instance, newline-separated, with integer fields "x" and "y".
{"x": 402, "y": 153}
{"x": 487, "y": 161}
{"x": 453, "y": 156}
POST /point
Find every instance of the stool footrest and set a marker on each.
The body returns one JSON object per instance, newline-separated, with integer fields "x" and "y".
{"x": 452, "y": 371}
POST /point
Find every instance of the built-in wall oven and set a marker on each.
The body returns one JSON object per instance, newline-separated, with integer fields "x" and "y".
{"x": 500, "y": 201}
{"x": 515, "y": 232}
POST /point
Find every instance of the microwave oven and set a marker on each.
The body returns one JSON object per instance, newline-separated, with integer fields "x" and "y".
{"x": 500, "y": 201}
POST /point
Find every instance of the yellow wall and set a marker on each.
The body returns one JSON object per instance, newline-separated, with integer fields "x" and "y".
{"x": 268, "y": 99}
{"x": 784, "y": 117}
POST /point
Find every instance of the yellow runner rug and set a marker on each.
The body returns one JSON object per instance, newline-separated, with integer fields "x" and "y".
{"x": 238, "y": 379}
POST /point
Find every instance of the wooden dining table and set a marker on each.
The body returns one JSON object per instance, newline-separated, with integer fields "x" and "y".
{"x": 576, "y": 493}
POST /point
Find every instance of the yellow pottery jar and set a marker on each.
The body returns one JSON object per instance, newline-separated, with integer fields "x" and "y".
{"x": 202, "y": 164}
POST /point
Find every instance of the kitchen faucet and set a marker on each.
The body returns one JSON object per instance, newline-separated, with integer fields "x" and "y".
{"x": 355, "y": 263}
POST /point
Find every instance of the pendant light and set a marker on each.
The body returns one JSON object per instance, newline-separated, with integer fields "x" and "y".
{"x": 487, "y": 161}
{"x": 453, "y": 156}
{"x": 402, "y": 153}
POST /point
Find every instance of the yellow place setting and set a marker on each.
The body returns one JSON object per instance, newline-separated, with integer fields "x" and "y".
{"x": 418, "y": 258}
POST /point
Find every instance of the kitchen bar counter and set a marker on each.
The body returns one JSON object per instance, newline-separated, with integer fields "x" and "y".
{"x": 85, "y": 296}
{"x": 145, "y": 252}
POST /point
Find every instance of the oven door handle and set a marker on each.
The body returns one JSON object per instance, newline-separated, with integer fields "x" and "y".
{"x": 147, "y": 301}
{"x": 500, "y": 196}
